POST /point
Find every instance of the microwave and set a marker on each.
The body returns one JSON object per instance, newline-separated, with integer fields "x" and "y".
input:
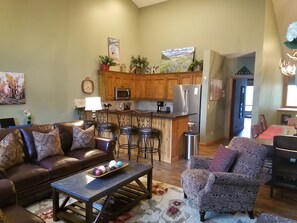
{"x": 122, "y": 93}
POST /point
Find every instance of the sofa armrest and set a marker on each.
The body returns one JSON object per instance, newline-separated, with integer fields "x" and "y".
{"x": 3, "y": 174}
{"x": 7, "y": 193}
{"x": 107, "y": 145}
{"x": 199, "y": 162}
{"x": 225, "y": 178}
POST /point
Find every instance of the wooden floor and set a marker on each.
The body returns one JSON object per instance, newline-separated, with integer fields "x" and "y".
{"x": 284, "y": 202}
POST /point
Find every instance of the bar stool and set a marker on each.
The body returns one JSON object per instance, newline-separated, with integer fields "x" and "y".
{"x": 147, "y": 135}
{"x": 127, "y": 129}
{"x": 103, "y": 125}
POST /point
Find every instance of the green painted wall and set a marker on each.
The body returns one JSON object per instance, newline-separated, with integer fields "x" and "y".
{"x": 56, "y": 43}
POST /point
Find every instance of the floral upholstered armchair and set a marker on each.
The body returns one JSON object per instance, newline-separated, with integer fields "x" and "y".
{"x": 228, "y": 182}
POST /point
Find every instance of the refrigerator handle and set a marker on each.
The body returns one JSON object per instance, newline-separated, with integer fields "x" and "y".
{"x": 186, "y": 92}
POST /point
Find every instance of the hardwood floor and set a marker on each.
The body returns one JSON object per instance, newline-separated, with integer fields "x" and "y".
{"x": 283, "y": 203}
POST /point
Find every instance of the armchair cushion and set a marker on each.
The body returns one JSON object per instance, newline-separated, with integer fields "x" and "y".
{"x": 10, "y": 152}
{"x": 83, "y": 138}
{"x": 223, "y": 159}
{"x": 47, "y": 144}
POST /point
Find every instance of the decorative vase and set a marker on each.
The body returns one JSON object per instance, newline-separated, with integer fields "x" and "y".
{"x": 104, "y": 67}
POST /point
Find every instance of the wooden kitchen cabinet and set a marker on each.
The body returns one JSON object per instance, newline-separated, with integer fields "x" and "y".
{"x": 144, "y": 86}
{"x": 170, "y": 81}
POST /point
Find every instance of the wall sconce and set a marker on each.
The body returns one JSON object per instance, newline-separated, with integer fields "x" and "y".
{"x": 93, "y": 104}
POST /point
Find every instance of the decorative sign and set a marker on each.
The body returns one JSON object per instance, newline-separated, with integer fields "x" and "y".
{"x": 12, "y": 88}
{"x": 114, "y": 49}
{"x": 244, "y": 71}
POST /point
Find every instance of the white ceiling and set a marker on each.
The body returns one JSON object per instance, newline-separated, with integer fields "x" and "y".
{"x": 285, "y": 13}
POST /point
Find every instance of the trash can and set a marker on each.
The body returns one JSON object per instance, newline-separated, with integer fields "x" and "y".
{"x": 192, "y": 144}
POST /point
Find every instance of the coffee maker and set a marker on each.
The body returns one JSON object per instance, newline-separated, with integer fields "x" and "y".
{"x": 160, "y": 105}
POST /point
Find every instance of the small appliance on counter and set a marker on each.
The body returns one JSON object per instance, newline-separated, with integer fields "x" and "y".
{"x": 160, "y": 105}
{"x": 125, "y": 106}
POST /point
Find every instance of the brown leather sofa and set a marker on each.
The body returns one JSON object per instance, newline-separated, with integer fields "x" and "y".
{"x": 32, "y": 178}
{"x": 11, "y": 211}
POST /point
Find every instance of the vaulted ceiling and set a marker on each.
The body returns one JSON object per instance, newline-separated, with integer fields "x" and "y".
{"x": 285, "y": 13}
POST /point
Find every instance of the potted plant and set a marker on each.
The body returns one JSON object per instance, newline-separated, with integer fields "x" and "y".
{"x": 196, "y": 65}
{"x": 106, "y": 62}
{"x": 138, "y": 64}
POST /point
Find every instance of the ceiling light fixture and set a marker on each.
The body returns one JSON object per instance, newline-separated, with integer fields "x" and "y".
{"x": 289, "y": 67}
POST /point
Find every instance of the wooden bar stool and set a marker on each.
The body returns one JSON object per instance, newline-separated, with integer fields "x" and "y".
{"x": 126, "y": 129}
{"x": 147, "y": 135}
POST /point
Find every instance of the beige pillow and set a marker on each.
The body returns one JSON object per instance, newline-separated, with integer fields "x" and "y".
{"x": 83, "y": 138}
{"x": 47, "y": 144}
{"x": 10, "y": 152}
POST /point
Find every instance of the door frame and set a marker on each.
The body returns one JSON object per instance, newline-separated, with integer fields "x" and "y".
{"x": 230, "y": 99}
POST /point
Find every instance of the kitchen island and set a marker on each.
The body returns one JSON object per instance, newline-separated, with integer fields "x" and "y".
{"x": 172, "y": 126}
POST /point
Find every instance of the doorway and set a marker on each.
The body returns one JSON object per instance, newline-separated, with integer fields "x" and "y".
{"x": 241, "y": 105}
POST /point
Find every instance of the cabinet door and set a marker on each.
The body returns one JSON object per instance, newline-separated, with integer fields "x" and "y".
{"x": 157, "y": 87}
{"x": 109, "y": 87}
{"x": 144, "y": 84}
{"x": 169, "y": 84}
{"x": 185, "y": 79}
{"x": 197, "y": 79}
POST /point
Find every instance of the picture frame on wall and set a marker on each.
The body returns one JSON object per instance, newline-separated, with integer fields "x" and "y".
{"x": 12, "y": 88}
{"x": 284, "y": 119}
{"x": 114, "y": 49}
{"x": 216, "y": 90}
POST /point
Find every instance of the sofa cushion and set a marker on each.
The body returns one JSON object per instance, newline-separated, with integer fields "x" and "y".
{"x": 30, "y": 150}
{"x": 27, "y": 175}
{"x": 47, "y": 144}
{"x": 89, "y": 156}
{"x": 222, "y": 160}
{"x": 10, "y": 152}
{"x": 66, "y": 132}
{"x": 60, "y": 165}
{"x": 83, "y": 138}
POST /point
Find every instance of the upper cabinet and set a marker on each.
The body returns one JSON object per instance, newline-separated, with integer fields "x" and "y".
{"x": 144, "y": 86}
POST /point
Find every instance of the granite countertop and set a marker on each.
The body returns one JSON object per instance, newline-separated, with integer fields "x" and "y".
{"x": 170, "y": 115}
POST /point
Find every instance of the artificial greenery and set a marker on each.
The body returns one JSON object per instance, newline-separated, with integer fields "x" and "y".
{"x": 195, "y": 64}
{"x": 138, "y": 64}
{"x": 107, "y": 60}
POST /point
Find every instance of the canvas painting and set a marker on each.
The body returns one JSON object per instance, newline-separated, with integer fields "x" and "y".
{"x": 114, "y": 49}
{"x": 216, "y": 90}
{"x": 176, "y": 60}
{"x": 12, "y": 88}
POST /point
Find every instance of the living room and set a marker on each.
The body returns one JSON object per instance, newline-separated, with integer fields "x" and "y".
{"x": 56, "y": 45}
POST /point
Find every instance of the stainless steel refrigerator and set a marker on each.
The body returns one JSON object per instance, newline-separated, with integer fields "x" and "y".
{"x": 187, "y": 98}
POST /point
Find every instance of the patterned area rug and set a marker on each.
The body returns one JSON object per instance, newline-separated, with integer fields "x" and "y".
{"x": 166, "y": 206}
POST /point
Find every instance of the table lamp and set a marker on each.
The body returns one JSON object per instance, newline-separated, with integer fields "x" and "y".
{"x": 93, "y": 104}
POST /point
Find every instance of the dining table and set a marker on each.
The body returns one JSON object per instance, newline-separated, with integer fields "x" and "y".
{"x": 266, "y": 137}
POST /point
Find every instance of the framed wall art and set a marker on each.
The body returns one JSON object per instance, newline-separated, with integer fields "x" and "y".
{"x": 114, "y": 49}
{"x": 12, "y": 88}
{"x": 216, "y": 90}
{"x": 176, "y": 60}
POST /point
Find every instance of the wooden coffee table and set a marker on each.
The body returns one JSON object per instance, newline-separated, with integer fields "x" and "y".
{"x": 101, "y": 199}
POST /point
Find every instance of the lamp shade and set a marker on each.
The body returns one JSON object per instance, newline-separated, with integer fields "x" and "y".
{"x": 93, "y": 104}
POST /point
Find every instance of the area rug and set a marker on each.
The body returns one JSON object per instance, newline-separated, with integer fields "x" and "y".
{"x": 166, "y": 206}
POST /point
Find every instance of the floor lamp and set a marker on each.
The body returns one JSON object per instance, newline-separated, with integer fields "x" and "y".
{"x": 93, "y": 104}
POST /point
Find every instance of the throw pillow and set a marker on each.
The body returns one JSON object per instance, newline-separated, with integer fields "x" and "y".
{"x": 83, "y": 138}
{"x": 223, "y": 159}
{"x": 47, "y": 144}
{"x": 10, "y": 152}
